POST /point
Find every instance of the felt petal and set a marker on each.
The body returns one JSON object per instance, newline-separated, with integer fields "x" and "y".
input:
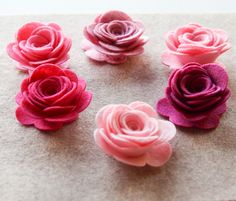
{"x": 86, "y": 45}
{"x": 136, "y": 161}
{"x": 63, "y": 118}
{"x": 170, "y": 60}
{"x": 167, "y": 110}
{"x": 72, "y": 76}
{"x": 212, "y": 121}
{"x": 19, "y": 98}
{"x": 45, "y": 71}
{"x": 95, "y": 55}
{"x": 84, "y": 101}
{"x": 47, "y": 126}
{"x": 167, "y": 130}
{"x": 218, "y": 74}
{"x": 26, "y": 30}
{"x": 23, "y": 117}
{"x": 113, "y": 15}
{"x": 144, "y": 107}
{"x": 116, "y": 59}
{"x": 159, "y": 155}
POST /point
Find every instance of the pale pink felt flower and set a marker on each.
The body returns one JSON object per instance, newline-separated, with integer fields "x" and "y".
{"x": 113, "y": 37}
{"x": 38, "y": 43}
{"x": 194, "y": 43}
{"x": 133, "y": 134}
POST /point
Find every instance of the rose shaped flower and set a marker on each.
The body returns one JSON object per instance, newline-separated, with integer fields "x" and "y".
{"x": 132, "y": 134}
{"x": 194, "y": 43}
{"x": 37, "y": 43}
{"x": 51, "y": 97}
{"x": 196, "y": 96}
{"x": 113, "y": 37}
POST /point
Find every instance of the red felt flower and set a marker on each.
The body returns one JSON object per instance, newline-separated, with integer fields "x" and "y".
{"x": 51, "y": 97}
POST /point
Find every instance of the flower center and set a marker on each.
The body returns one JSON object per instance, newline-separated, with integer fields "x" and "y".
{"x": 116, "y": 28}
{"x": 134, "y": 122}
{"x": 38, "y": 41}
{"x": 49, "y": 87}
{"x": 197, "y": 85}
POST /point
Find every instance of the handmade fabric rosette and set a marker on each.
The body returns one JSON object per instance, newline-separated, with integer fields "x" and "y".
{"x": 113, "y": 37}
{"x": 38, "y": 43}
{"x": 132, "y": 134}
{"x": 196, "y": 96}
{"x": 51, "y": 97}
{"x": 194, "y": 43}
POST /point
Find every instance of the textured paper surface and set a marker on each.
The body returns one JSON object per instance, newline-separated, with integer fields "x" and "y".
{"x": 67, "y": 165}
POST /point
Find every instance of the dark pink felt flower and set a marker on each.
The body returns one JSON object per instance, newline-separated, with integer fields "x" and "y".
{"x": 37, "y": 43}
{"x": 196, "y": 96}
{"x": 51, "y": 97}
{"x": 113, "y": 37}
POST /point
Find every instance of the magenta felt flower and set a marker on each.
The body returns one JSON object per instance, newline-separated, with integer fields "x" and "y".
{"x": 194, "y": 43}
{"x": 113, "y": 37}
{"x": 37, "y": 43}
{"x": 196, "y": 96}
{"x": 132, "y": 134}
{"x": 51, "y": 97}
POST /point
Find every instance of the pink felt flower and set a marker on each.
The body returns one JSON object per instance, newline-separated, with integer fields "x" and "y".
{"x": 132, "y": 134}
{"x": 194, "y": 43}
{"x": 196, "y": 96}
{"x": 51, "y": 97}
{"x": 37, "y": 43}
{"x": 113, "y": 37}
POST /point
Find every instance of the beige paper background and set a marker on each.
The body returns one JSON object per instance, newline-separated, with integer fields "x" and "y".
{"x": 66, "y": 165}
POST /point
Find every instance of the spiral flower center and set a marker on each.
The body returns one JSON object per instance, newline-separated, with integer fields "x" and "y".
{"x": 116, "y": 28}
{"x": 133, "y": 122}
{"x": 38, "y": 41}
{"x": 49, "y": 87}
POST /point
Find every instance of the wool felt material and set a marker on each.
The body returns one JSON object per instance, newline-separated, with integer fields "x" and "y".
{"x": 194, "y": 43}
{"x": 113, "y": 37}
{"x": 67, "y": 165}
{"x": 196, "y": 96}
{"x": 39, "y": 43}
{"x": 133, "y": 134}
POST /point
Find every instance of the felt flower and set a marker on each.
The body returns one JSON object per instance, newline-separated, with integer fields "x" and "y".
{"x": 51, "y": 97}
{"x": 113, "y": 37}
{"x": 37, "y": 43}
{"x": 132, "y": 134}
{"x": 196, "y": 96}
{"x": 194, "y": 43}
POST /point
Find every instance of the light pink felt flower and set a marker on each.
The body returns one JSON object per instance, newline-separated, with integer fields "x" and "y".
{"x": 132, "y": 134}
{"x": 113, "y": 37}
{"x": 51, "y": 97}
{"x": 37, "y": 43}
{"x": 194, "y": 43}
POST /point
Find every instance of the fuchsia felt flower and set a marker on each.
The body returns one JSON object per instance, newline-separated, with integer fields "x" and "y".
{"x": 132, "y": 134}
{"x": 38, "y": 43}
{"x": 196, "y": 96}
{"x": 51, "y": 97}
{"x": 113, "y": 37}
{"x": 194, "y": 43}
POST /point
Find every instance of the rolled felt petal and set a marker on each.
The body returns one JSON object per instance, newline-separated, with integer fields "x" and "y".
{"x": 194, "y": 43}
{"x": 113, "y": 37}
{"x": 196, "y": 96}
{"x": 39, "y": 43}
{"x": 51, "y": 97}
{"x": 133, "y": 134}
